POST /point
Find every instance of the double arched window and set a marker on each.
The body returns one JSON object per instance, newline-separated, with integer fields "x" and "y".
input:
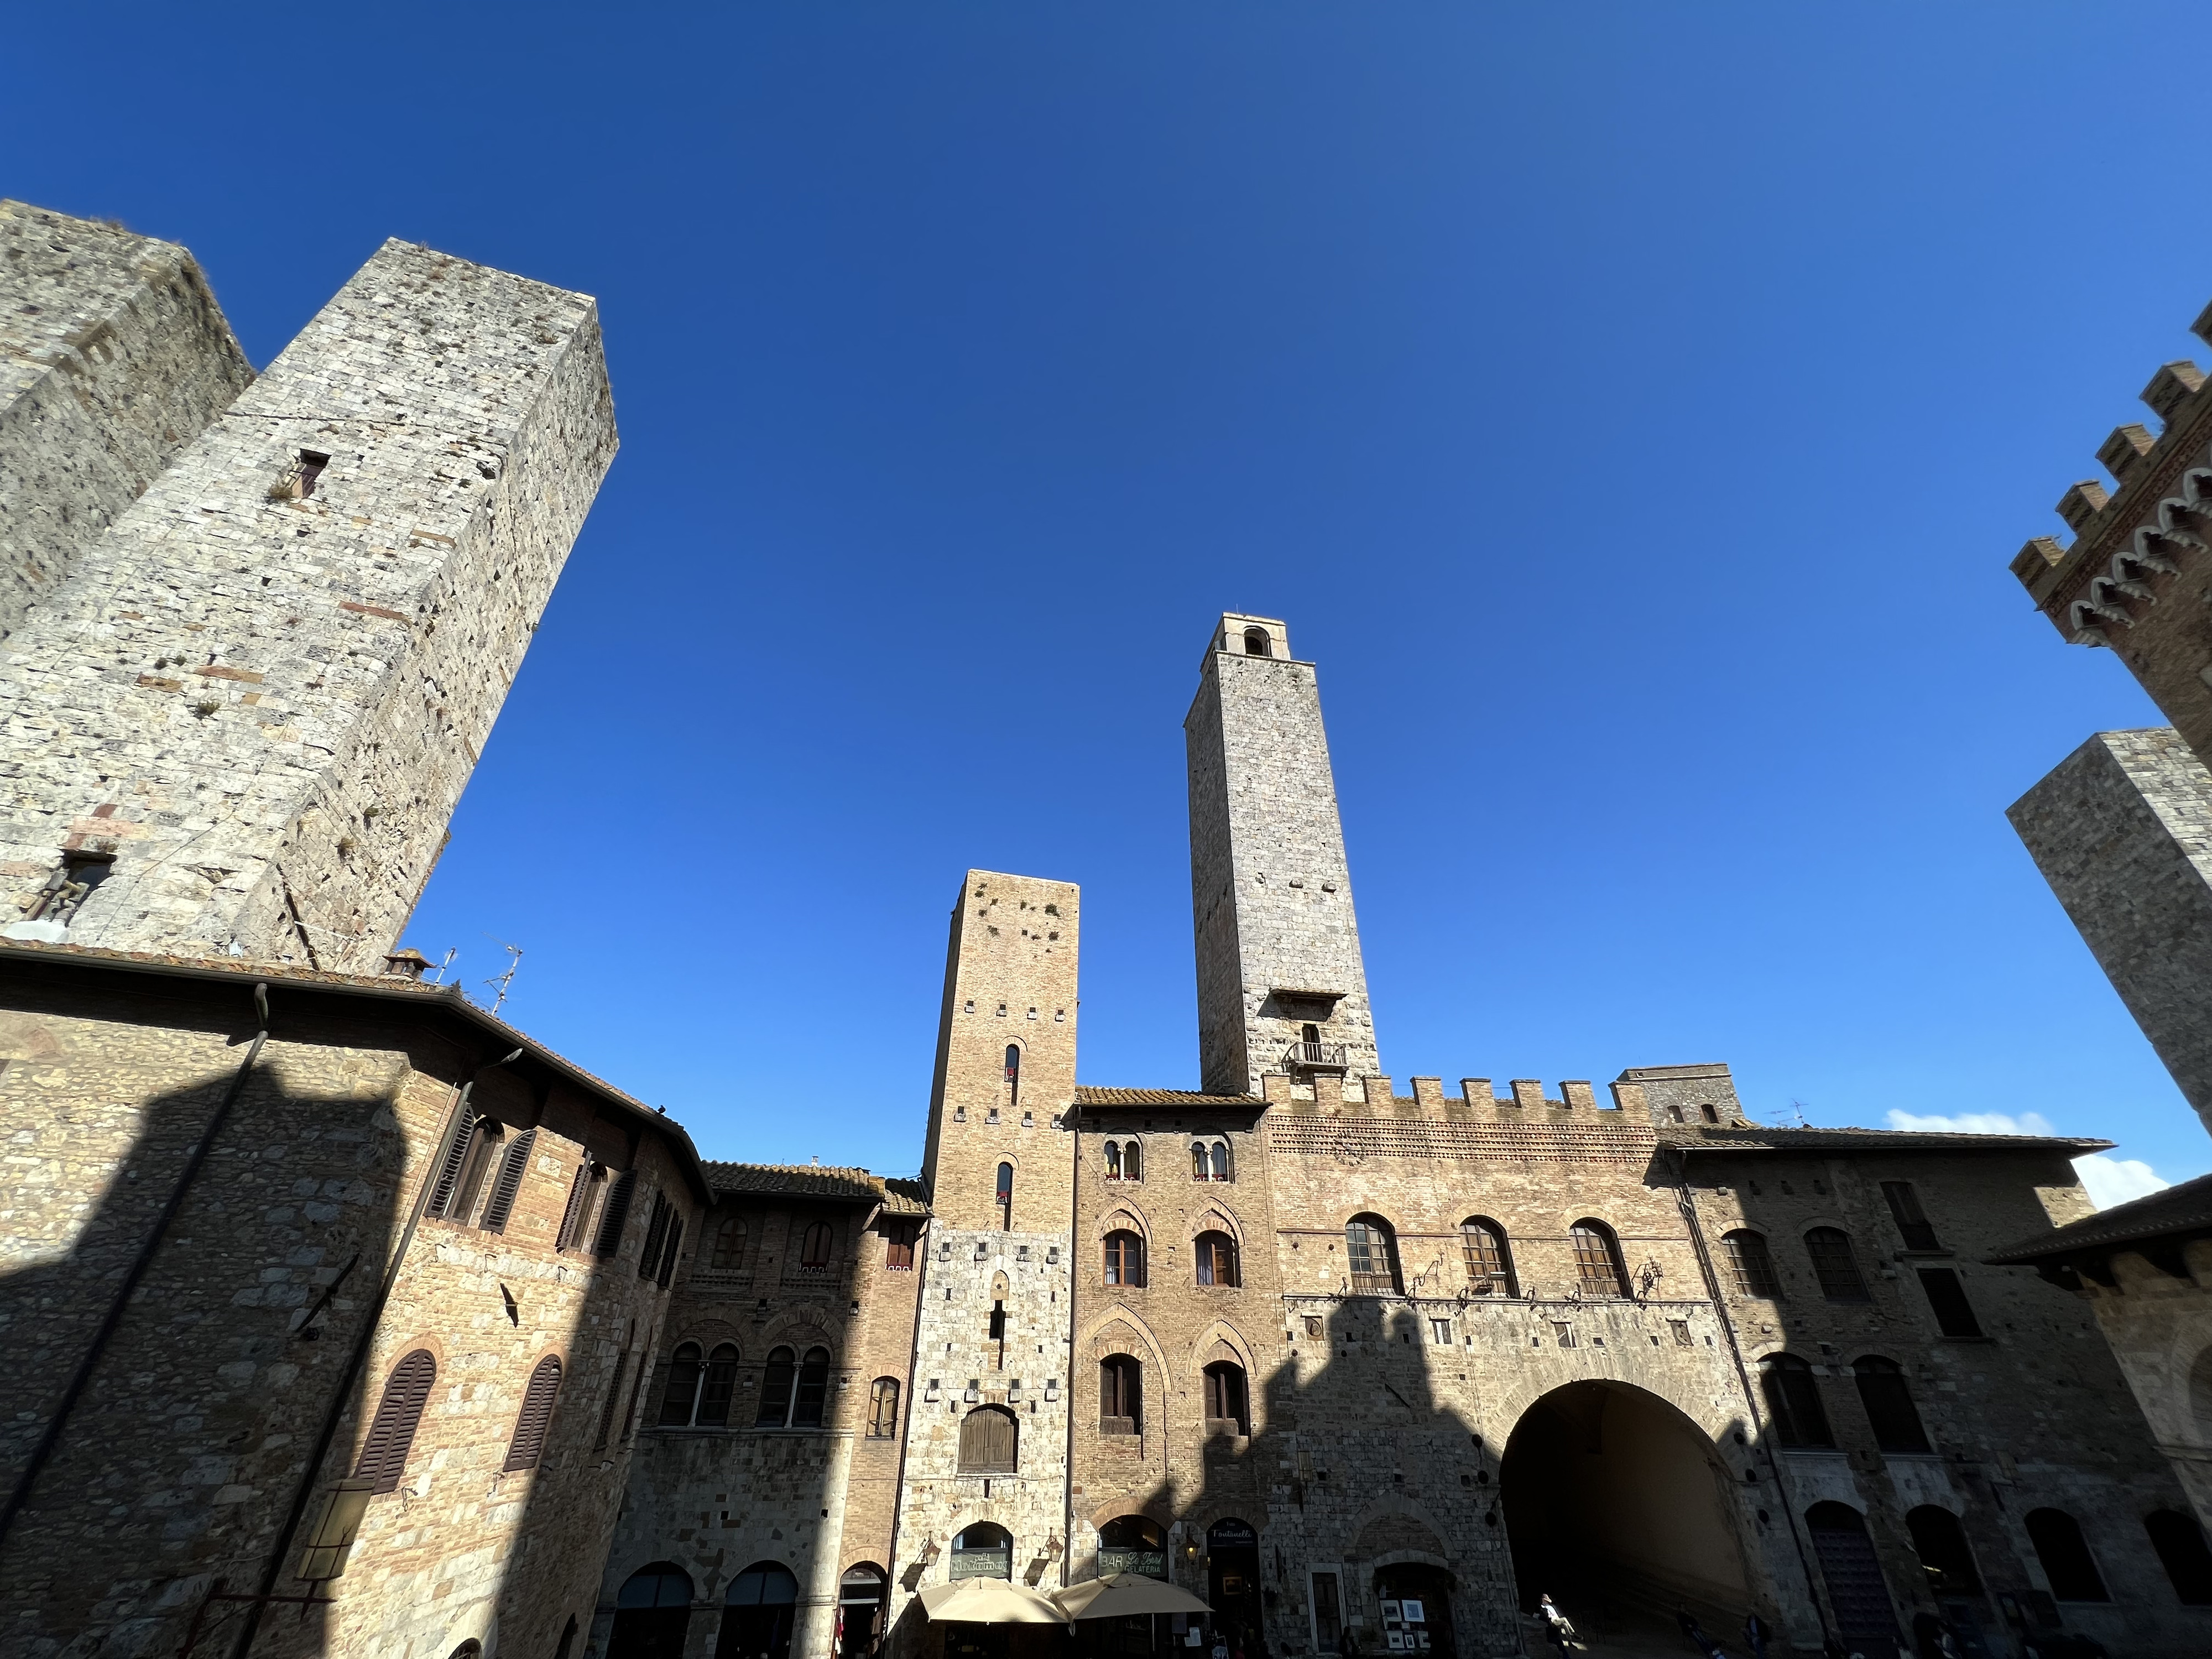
{"x": 1599, "y": 1270}
{"x": 792, "y": 1390}
{"x": 392, "y": 1430}
{"x": 697, "y": 1387}
{"x": 1125, "y": 1160}
{"x": 883, "y": 1408}
{"x": 1836, "y": 1265}
{"x": 1489, "y": 1258}
{"x": 1125, "y": 1258}
{"x": 533, "y": 1422}
{"x": 987, "y": 1441}
{"x": 1370, "y": 1256}
{"x": 1889, "y": 1408}
{"x": 1120, "y": 1395}
{"x": 1209, "y": 1160}
{"x": 1216, "y": 1258}
{"x": 1227, "y": 1409}
{"x": 1793, "y": 1401}
{"x": 1751, "y": 1264}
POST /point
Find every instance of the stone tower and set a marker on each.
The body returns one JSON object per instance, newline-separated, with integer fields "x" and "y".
{"x": 987, "y": 1428}
{"x": 113, "y": 355}
{"x": 1281, "y": 987}
{"x": 240, "y": 721}
{"x": 2122, "y": 829}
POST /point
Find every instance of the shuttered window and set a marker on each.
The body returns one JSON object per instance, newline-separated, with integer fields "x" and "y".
{"x": 814, "y": 1246}
{"x": 392, "y": 1430}
{"x": 1489, "y": 1264}
{"x": 1120, "y": 1395}
{"x": 730, "y": 1244}
{"x": 987, "y": 1441}
{"x": 1217, "y": 1259}
{"x": 576, "y": 1218}
{"x": 616, "y": 1212}
{"x": 670, "y": 1249}
{"x": 1597, "y": 1260}
{"x": 898, "y": 1244}
{"x": 1751, "y": 1264}
{"x": 1225, "y": 1397}
{"x": 656, "y": 1232}
{"x": 537, "y": 1416}
{"x": 883, "y": 1408}
{"x": 512, "y": 1169}
{"x": 813, "y": 1389}
{"x": 449, "y": 1170}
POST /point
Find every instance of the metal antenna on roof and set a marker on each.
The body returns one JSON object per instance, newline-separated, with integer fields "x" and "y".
{"x": 1796, "y": 1116}
{"x": 447, "y": 964}
{"x": 506, "y": 980}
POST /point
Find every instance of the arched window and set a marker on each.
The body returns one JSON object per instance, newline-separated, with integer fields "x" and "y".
{"x": 982, "y": 1551}
{"x": 1125, "y": 1258}
{"x": 814, "y": 1246}
{"x": 1751, "y": 1264}
{"x": 1793, "y": 1401}
{"x": 1121, "y": 1395}
{"x": 1200, "y": 1169}
{"x": 1226, "y": 1408}
{"x": 1940, "y": 1543}
{"x": 1598, "y": 1267}
{"x": 527, "y": 1444}
{"x": 652, "y": 1611}
{"x": 1013, "y": 1074}
{"x": 1489, "y": 1259}
{"x": 758, "y": 1610}
{"x": 2179, "y": 1542}
{"x": 860, "y": 1609}
{"x": 392, "y": 1430}
{"x": 1133, "y": 1161}
{"x": 679, "y": 1394}
{"x": 1889, "y": 1408}
{"x": 729, "y": 1244}
{"x": 1217, "y": 1259}
{"x": 2065, "y": 1556}
{"x": 775, "y": 1389}
{"x": 988, "y": 1436}
{"x": 1130, "y": 1543}
{"x": 806, "y": 1400}
{"x": 720, "y": 1384}
{"x": 512, "y": 1169}
{"x": 883, "y": 1408}
{"x": 1257, "y": 644}
{"x": 1710, "y": 1114}
{"x": 1849, "y": 1562}
{"x": 1005, "y": 1195}
{"x": 1674, "y": 1114}
{"x": 1371, "y": 1256}
{"x": 1835, "y": 1265}
{"x": 1113, "y": 1160}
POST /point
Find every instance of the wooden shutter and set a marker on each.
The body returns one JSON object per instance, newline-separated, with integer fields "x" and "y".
{"x": 656, "y": 1230}
{"x": 392, "y": 1430}
{"x": 512, "y": 1169}
{"x": 668, "y": 1249}
{"x": 537, "y": 1416}
{"x": 987, "y": 1441}
{"x": 449, "y": 1172}
{"x": 617, "y": 1211}
{"x": 572, "y": 1218}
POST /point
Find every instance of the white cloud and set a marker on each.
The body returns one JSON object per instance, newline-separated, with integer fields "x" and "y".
{"x": 2107, "y": 1180}
{"x": 2111, "y": 1181}
{"x": 1975, "y": 1123}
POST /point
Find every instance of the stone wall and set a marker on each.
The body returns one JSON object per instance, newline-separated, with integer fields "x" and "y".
{"x": 262, "y": 691}
{"x": 113, "y": 355}
{"x": 2122, "y": 829}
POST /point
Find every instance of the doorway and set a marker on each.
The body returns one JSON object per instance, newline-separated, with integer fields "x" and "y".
{"x": 757, "y": 1613}
{"x": 1619, "y": 1508}
{"x": 859, "y": 1611}
{"x": 1416, "y": 1601}
{"x": 1232, "y": 1575}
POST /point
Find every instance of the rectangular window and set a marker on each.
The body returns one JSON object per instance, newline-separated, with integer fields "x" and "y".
{"x": 1327, "y": 1613}
{"x": 1440, "y": 1331}
{"x": 898, "y": 1244}
{"x": 1912, "y": 1221}
{"x": 1954, "y": 1314}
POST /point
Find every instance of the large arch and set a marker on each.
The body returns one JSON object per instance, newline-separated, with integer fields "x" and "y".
{"x": 1605, "y": 1484}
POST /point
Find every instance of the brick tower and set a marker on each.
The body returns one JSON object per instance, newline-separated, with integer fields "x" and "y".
{"x": 1281, "y": 987}
{"x": 987, "y": 1436}
{"x": 240, "y": 721}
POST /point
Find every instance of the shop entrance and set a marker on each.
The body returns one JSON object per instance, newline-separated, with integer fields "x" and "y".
{"x": 1416, "y": 1601}
{"x": 1232, "y": 1575}
{"x": 1619, "y": 1509}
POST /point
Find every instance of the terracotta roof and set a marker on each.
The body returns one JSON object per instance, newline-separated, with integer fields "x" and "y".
{"x": 1700, "y": 1139}
{"x": 445, "y": 1000}
{"x": 836, "y": 1182}
{"x": 2177, "y": 1210}
{"x": 1088, "y": 1096}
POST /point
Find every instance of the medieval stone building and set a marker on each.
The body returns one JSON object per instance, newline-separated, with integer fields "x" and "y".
{"x": 343, "y": 1318}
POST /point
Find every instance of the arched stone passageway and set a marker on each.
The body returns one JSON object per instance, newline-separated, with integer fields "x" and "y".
{"x": 1615, "y": 1506}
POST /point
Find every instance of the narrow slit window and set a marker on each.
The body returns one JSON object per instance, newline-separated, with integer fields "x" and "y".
{"x": 310, "y": 468}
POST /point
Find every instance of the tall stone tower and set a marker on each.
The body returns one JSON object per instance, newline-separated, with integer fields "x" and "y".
{"x": 1281, "y": 986}
{"x": 986, "y": 1473}
{"x": 240, "y": 721}
{"x": 2122, "y": 829}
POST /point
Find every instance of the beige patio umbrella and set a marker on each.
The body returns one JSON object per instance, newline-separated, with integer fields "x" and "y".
{"x": 990, "y": 1601}
{"x": 1125, "y": 1595}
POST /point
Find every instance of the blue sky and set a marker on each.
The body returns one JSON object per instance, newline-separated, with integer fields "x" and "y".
{"x": 1633, "y": 410}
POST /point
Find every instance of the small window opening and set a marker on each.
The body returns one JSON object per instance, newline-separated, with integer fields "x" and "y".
{"x": 1005, "y": 1196}
{"x": 1310, "y": 1033}
{"x": 67, "y": 888}
{"x": 1711, "y": 1115}
{"x": 1013, "y": 1074}
{"x": 1257, "y": 644}
{"x": 310, "y": 466}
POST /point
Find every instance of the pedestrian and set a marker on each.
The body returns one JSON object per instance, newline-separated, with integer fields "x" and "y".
{"x": 1696, "y": 1632}
{"x": 1756, "y": 1635}
{"x": 1557, "y": 1631}
{"x": 1347, "y": 1645}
